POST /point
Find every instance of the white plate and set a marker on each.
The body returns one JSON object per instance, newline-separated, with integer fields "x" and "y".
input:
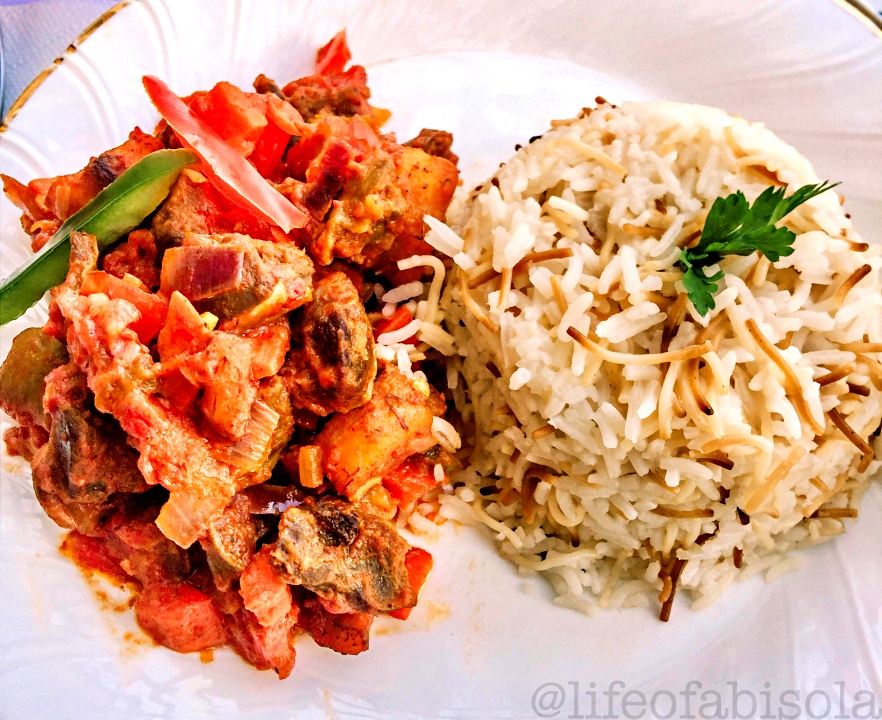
{"x": 494, "y": 72}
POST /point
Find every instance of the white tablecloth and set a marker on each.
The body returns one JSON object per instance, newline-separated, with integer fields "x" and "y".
{"x": 37, "y": 32}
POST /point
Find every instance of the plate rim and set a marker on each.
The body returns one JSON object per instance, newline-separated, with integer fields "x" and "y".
{"x": 122, "y": 5}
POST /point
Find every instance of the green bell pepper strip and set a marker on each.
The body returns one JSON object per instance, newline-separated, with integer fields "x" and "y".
{"x": 115, "y": 211}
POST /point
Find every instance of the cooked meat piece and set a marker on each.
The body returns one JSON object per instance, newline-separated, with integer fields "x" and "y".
{"x": 38, "y": 221}
{"x": 243, "y": 281}
{"x": 31, "y": 358}
{"x": 231, "y": 542}
{"x": 195, "y": 207}
{"x": 189, "y": 209}
{"x": 385, "y": 205}
{"x": 123, "y": 376}
{"x": 357, "y": 217}
{"x": 108, "y": 166}
{"x": 326, "y": 176}
{"x": 435, "y": 142}
{"x": 270, "y": 499}
{"x": 346, "y": 94}
{"x": 131, "y": 536}
{"x": 60, "y": 197}
{"x": 89, "y": 447}
{"x": 83, "y": 259}
{"x": 350, "y": 558}
{"x": 427, "y": 183}
{"x": 345, "y": 633}
{"x": 180, "y": 617}
{"x": 360, "y": 446}
{"x": 136, "y": 256}
{"x": 331, "y": 365}
{"x": 86, "y": 459}
{"x": 320, "y": 165}
{"x": 267, "y": 86}
{"x": 267, "y": 648}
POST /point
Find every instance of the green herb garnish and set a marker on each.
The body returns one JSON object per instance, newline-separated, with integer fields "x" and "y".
{"x": 734, "y": 227}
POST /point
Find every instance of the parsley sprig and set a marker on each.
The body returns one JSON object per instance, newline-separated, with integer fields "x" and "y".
{"x": 734, "y": 227}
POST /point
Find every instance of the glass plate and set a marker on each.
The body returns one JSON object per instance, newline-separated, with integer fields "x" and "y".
{"x": 484, "y": 643}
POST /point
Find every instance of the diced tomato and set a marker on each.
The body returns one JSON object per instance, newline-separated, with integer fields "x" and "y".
{"x": 174, "y": 386}
{"x": 397, "y": 320}
{"x": 270, "y": 148}
{"x": 332, "y": 58}
{"x": 419, "y": 564}
{"x": 302, "y": 153}
{"x": 265, "y": 594}
{"x": 238, "y": 117}
{"x": 180, "y": 617}
{"x": 91, "y": 554}
{"x": 283, "y": 122}
{"x": 153, "y": 308}
{"x": 270, "y": 343}
{"x": 231, "y": 173}
{"x": 223, "y": 216}
{"x": 264, "y": 647}
{"x": 411, "y": 480}
{"x": 284, "y": 115}
{"x": 184, "y": 331}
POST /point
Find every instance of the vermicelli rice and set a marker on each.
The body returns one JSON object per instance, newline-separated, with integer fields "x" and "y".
{"x": 624, "y": 445}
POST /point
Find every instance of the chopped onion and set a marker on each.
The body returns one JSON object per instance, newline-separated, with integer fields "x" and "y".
{"x": 251, "y": 451}
{"x": 309, "y": 463}
{"x": 200, "y": 272}
{"x": 185, "y": 516}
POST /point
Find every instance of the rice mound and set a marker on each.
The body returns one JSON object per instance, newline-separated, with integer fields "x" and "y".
{"x": 617, "y": 475}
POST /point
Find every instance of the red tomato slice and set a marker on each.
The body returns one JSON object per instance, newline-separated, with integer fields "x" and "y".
{"x": 419, "y": 564}
{"x": 332, "y": 58}
{"x": 231, "y": 173}
{"x": 153, "y": 308}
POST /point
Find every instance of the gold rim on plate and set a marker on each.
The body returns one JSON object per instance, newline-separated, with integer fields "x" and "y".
{"x": 858, "y": 9}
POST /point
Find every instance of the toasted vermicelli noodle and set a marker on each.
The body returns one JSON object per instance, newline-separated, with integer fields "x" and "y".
{"x": 626, "y": 446}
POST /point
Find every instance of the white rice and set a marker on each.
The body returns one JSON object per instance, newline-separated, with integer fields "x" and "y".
{"x": 605, "y": 458}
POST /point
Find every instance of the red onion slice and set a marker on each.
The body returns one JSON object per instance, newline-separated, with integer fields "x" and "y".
{"x": 200, "y": 272}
